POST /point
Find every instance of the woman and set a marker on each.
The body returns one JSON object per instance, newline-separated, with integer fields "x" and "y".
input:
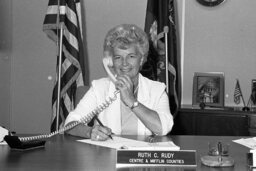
{"x": 141, "y": 107}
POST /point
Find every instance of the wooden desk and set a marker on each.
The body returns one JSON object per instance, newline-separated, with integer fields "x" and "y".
{"x": 64, "y": 153}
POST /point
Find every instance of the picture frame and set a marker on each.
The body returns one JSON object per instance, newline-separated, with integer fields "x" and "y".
{"x": 208, "y": 88}
{"x": 253, "y": 93}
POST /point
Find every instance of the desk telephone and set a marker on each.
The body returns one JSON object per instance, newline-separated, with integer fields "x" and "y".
{"x": 22, "y": 143}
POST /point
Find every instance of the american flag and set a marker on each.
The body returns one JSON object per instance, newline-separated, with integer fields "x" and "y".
{"x": 237, "y": 93}
{"x": 68, "y": 14}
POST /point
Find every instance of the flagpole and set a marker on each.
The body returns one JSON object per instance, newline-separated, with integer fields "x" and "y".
{"x": 59, "y": 77}
{"x": 247, "y": 108}
{"x": 249, "y": 101}
{"x": 59, "y": 45}
{"x": 166, "y": 30}
{"x": 243, "y": 100}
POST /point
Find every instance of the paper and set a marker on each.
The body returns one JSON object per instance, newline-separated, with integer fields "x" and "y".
{"x": 125, "y": 143}
{"x": 248, "y": 142}
{"x": 3, "y": 133}
{"x": 3, "y": 143}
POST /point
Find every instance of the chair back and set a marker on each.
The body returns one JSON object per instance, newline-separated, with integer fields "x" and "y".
{"x": 80, "y": 92}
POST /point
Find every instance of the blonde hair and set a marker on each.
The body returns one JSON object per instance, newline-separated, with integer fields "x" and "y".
{"x": 125, "y": 35}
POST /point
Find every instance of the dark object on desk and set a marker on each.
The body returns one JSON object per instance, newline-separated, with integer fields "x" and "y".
{"x": 246, "y": 108}
{"x": 15, "y": 143}
{"x": 202, "y": 105}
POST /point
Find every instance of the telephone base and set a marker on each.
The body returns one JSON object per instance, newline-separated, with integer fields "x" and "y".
{"x": 15, "y": 144}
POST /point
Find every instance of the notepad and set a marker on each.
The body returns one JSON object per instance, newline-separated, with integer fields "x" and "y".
{"x": 125, "y": 143}
{"x": 248, "y": 142}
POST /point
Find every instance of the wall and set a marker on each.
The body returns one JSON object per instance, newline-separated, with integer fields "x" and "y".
{"x": 5, "y": 61}
{"x": 220, "y": 39}
{"x": 33, "y": 61}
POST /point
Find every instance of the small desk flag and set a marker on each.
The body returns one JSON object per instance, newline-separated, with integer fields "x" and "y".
{"x": 237, "y": 93}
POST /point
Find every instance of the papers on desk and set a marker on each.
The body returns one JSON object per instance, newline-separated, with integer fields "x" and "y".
{"x": 248, "y": 142}
{"x": 125, "y": 143}
{"x": 3, "y": 143}
{"x": 3, "y": 133}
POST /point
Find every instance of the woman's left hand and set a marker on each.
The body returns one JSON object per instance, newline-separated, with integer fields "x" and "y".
{"x": 125, "y": 85}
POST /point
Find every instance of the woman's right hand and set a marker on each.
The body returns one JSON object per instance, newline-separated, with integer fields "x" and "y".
{"x": 125, "y": 85}
{"x": 100, "y": 133}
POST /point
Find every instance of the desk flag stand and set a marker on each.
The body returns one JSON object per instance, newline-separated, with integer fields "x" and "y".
{"x": 251, "y": 102}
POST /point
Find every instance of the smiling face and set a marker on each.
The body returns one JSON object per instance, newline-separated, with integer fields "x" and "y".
{"x": 127, "y": 61}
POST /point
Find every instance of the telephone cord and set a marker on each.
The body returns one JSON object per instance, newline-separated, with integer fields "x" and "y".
{"x": 84, "y": 120}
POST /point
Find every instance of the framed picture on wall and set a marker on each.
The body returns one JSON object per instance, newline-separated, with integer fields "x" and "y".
{"x": 208, "y": 88}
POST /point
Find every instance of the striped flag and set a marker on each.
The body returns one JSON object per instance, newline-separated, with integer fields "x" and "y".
{"x": 237, "y": 93}
{"x": 68, "y": 14}
{"x": 158, "y": 15}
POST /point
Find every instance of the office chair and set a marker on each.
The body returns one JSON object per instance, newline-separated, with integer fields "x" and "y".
{"x": 80, "y": 92}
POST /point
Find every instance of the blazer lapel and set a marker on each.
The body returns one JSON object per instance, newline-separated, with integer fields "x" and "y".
{"x": 143, "y": 98}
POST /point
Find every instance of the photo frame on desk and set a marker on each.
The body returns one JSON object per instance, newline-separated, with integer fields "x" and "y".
{"x": 253, "y": 93}
{"x": 208, "y": 88}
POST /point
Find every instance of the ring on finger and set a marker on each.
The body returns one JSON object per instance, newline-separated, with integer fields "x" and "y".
{"x": 97, "y": 137}
{"x": 120, "y": 84}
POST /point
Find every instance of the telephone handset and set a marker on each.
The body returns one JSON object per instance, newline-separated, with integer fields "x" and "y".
{"x": 108, "y": 62}
{"x": 23, "y": 143}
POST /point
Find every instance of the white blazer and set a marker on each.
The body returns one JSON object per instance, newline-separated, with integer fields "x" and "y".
{"x": 150, "y": 93}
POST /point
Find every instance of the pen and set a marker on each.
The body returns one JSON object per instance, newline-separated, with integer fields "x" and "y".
{"x": 97, "y": 119}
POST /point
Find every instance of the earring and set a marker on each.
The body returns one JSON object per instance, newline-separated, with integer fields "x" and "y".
{"x": 141, "y": 62}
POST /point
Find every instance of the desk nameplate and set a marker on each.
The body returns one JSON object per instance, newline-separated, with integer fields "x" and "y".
{"x": 156, "y": 158}
{"x": 251, "y": 158}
